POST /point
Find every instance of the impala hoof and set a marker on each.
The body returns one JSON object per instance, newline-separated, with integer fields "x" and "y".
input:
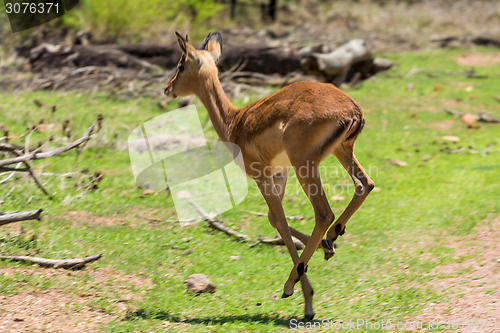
{"x": 309, "y": 317}
{"x": 327, "y": 245}
{"x": 328, "y": 255}
{"x": 285, "y": 295}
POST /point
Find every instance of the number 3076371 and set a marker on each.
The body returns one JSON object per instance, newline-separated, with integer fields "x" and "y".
{"x": 31, "y": 8}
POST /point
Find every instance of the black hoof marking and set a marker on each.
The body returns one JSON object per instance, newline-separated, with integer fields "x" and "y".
{"x": 328, "y": 255}
{"x": 338, "y": 229}
{"x": 342, "y": 232}
{"x": 285, "y": 295}
{"x": 300, "y": 269}
{"x": 327, "y": 245}
{"x": 309, "y": 317}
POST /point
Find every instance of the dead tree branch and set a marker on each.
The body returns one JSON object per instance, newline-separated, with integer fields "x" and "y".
{"x": 10, "y": 217}
{"x": 27, "y": 169}
{"x": 76, "y": 263}
{"x": 38, "y": 156}
{"x": 278, "y": 241}
{"x": 216, "y": 224}
{"x": 37, "y": 182}
{"x": 7, "y": 169}
{"x": 481, "y": 117}
{"x": 288, "y": 217}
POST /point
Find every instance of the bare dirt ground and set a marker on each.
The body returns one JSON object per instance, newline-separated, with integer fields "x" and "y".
{"x": 49, "y": 311}
{"x": 58, "y": 310}
{"x": 473, "y": 282}
{"x": 478, "y": 59}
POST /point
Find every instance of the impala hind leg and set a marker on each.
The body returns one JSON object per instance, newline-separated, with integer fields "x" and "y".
{"x": 362, "y": 183}
{"x": 273, "y": 196}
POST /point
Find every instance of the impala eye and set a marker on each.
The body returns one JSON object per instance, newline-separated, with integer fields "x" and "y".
{"x": 180, "y": 68}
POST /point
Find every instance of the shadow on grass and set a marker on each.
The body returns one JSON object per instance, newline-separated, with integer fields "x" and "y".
{"x": 163, "y": 315}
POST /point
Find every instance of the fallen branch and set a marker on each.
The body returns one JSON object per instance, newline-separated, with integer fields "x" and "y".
{"x": 7, "y": 169}
{"x": 415, "y": 70}
{"x": 288, "y": 217}
{"x": 278, "y": 241}
{"x": 216, "y": 224}
{"x": 76, "y": 263}
{"x": 10, "y": 217}
{"x": 10, "y": 147}
{"x": 481, "y": 117}
{"x": 38, "y": 156}
{"x": 37, "y": 182}
{"x": 30, "y": 172}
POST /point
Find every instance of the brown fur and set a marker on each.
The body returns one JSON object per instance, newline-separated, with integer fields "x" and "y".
{"x": 304, "y": 103}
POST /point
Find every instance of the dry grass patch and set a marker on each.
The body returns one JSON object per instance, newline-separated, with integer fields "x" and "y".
{"x": 70, "y": 309}
{"x": 50, "y": 310}
{"x": 478, "y": 59}
{"x": 472, "y": 282}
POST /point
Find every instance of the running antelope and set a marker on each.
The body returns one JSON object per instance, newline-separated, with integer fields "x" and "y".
{"x": 296, "y": 127}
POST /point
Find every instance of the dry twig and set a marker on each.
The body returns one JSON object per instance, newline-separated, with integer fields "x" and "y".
{"x": 288, "y": 217}
{"x": 75, "y": 263}
{"x": 216, "y": 224}
{"x": 10, "y": 217}
{"x": 481, "y": 117}
{"x": 38, "y": 156}
{"x": 278, "y": 241}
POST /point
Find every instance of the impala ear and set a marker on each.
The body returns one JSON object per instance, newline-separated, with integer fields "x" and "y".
{"x": 213, "y": 44}
{"x": 181, "y": 41}
{"x": 185, "y": 46}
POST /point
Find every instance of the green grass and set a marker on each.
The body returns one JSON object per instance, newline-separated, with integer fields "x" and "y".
{"x": 382, "y": 269}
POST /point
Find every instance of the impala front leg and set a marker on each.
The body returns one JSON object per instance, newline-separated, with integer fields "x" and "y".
{"x": 273, "y": 197}
{"x": 307, "y": 290}
{"x": 311, "y": 183}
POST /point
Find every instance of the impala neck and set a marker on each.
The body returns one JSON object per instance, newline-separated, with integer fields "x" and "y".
{"x": 219, "y": 108}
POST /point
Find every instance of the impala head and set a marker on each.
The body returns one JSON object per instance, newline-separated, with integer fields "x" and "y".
{"x": 194, "y": 65}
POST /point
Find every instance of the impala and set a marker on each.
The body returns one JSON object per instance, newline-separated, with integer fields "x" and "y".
{"x": 296, "y": 127}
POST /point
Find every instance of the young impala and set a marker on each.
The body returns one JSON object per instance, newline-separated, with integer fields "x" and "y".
{"x": 296, "y": 127}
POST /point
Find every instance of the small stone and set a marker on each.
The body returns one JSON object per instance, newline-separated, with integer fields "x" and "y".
{"x": 235, "y": 258}
{"x": 199, "y": 283}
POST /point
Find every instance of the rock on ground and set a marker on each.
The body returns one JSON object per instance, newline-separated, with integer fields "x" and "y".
{"x": 200, "y": 283}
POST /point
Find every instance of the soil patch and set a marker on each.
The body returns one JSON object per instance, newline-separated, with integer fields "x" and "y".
{"x": 83, "y": 217}
{"x": 56, "y": 310}
{"x": 136, "y": 218}
{"x": 478, "y": 59}
{"x": 472, "y": 282}
{"x": 49, "y": 311}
